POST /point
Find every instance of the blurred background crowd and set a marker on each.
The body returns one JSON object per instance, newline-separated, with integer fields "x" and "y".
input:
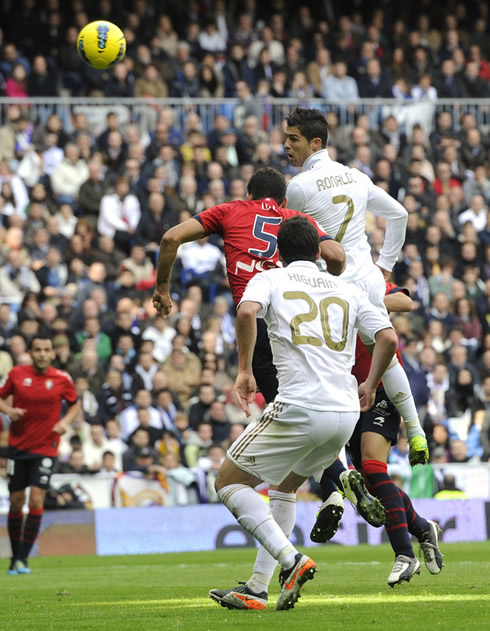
{"x": 83, "y": 207}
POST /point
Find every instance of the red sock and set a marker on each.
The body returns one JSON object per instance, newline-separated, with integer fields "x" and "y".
{"x": 31, "y": 530}
{"x": 383, "y": 487}
{"x": 14, "y": 528}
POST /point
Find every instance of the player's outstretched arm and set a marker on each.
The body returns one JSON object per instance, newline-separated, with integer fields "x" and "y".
{"x": 384, "y": 349}
{"x": 398, "y": 302}
{"x": 333, "y": 254}
{"x": 189, "y": 230}
{"x": 246, "y": 335}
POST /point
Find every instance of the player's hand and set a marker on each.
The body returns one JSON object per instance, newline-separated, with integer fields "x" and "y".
{"x": 367, "y": 397}
{"x": 162, "y": 301}
{"x": 16, "y": 413}
{"x": 245, "y": 388}
{"x": 385, "y": 272}
{"x": 59, "y": 428}
{"x": 418, "y": 450}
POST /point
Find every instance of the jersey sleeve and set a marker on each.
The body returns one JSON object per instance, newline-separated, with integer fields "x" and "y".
{"x": 296, "y": 196}
{"x": 391, "y": 288}
{"x": 259, "y": 289}
{"x": 212, "y": 219}
{"x": 69, "y": 392}
{"x": 369, "y": 319}
{"x": 7, "y": 388}
{"x": 321, "y": 233}
{"x": 380, "y": 203}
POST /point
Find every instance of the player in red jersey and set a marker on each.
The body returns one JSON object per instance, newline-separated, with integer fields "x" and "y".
{"x": 32, "y": 397}
{"x": 369, "y": 447}
{"x": 249, "y": 231}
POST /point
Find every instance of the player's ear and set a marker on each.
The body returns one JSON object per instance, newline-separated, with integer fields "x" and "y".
{"x": 249, "y": 197}
{"x": 283, "y": 203}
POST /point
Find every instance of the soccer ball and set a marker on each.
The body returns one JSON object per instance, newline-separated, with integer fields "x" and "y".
{"x": 101, "y": 44}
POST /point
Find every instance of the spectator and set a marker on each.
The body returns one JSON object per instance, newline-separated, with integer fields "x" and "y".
{"x": 475, "y": 87}
{"x": 119, "y": 214}
{"x": 139, "y": 446}
{"x": 121, "y": 83}
{"x": 374, "y": 82}
{"x": 129, "y": 417}
{"x": 473, "y": 151}
{"x": 198, "y": 443}
{"x": 183, "y": 371}
{"x": 69, "y": 175}
{"x": 16, "y": 279}
{"x": 113, "y": 397}
{"x": 206, "y": 472}
{"x": 337, "y": 85}
{"x": 187, "y": 84}
{"x": 144, "y": 422}
{"x": 41, "y": 81}
{"x": 76, "y": 463}
{"x": 93, "y": 449}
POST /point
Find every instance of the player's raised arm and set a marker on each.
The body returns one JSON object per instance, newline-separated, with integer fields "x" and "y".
{"x": 382, "y": 204}
{"x": 189, "y": 230}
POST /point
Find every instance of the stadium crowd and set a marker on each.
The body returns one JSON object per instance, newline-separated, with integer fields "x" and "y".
{"x": 82, "y": 213}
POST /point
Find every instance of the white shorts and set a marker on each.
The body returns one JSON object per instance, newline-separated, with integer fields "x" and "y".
{"x": 290, "y": 438}
{"x": 375, "y": 286}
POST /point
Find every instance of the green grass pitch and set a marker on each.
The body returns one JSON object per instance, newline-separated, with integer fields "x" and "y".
{"x": 170, "y": 592}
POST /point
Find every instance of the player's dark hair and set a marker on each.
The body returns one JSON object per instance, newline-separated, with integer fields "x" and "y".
{"x": 267, "y": 182}
{"x": 40, "y": 337}
{"x": 310, "y": 122}
{"x": 297, "y": 240}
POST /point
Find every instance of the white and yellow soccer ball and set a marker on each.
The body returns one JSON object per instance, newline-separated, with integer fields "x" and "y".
{"x": 101, "y": 44}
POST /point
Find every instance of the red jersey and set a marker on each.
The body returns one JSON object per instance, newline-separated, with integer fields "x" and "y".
{"x": 249, "y": 231}
{"x": 41, "y": 396}
{"x": 360, "y": 370}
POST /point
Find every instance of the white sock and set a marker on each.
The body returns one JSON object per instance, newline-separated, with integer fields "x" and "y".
{"x": 253, "y": 514}
{"x": 397, "y": 387}
{"x": 283, "y": 509}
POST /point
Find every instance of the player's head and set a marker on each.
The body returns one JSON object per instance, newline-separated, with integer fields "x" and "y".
{"x": 306, "y": 133}
{"x": 267, "y": 182}
{"x": 42, "y": 352}
{"x": 297, "y": 240}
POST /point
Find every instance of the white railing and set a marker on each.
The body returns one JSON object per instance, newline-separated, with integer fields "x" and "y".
{"x": 143, "y": 112}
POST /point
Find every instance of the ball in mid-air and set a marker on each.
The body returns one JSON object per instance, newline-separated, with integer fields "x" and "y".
{"x": 101, "y": 44}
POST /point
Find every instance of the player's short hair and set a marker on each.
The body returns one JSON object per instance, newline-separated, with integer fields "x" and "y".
{"x": 40, "y": 337}
{"x": 311, "y": 123}
{"x": 267, "y": 182}
{"x": 297, "y": 240}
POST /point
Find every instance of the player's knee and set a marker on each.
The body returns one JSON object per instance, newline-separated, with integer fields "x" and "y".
{"x": 17, "y": 501}
{"x": 36, "y": 497}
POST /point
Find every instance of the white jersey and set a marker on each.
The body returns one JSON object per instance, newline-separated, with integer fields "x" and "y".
{"x": 338, "y": 197}
{"x": 312, "y": 319}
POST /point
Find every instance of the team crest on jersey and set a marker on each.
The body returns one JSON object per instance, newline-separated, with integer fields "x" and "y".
{"x": 49, "y": 384}
{"x": 27, "y": 382}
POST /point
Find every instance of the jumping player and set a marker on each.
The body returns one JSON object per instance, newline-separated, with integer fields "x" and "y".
{"x": 338, "y": 197}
